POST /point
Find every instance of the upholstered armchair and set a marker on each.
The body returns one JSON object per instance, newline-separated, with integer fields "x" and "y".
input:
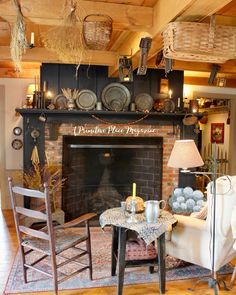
{"x": 192, "y": 239}
{"x": 233, "y": 224}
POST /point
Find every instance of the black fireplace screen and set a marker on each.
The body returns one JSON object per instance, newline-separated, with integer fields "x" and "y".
{"x": 99, "y": 172}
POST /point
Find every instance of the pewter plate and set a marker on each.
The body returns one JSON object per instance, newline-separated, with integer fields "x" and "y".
{"x": 116, "y": 97}
{"x": 144, "y": 102}
{"x": 60, "y": 102}
{"x": 169, "y": 106}
{"x": 86, "y": 100}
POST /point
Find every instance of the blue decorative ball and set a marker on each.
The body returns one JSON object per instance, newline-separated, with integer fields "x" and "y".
{"x": 183, "y": 206}
{"x": 196, "y": 208}
{"x": 190, "y": 203}
{"x": 197, "y": 195}
{"x": 188, "y": 191}
{"x": 200, "y": 203}
{"x": 178, "y": 192}
{"x": 180, "y": 199}
{"x": 176, "y": 205}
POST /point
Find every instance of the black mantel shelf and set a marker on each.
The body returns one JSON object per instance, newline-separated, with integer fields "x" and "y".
{"x": 60, "y": 116}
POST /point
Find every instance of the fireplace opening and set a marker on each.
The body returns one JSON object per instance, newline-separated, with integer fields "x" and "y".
{"x": 99, "y": 172}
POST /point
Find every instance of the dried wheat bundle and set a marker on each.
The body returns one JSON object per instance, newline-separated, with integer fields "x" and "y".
{"x": 66, "y": 39}
{"x": 18, "y": 38}
{"x": 70, "y": 93}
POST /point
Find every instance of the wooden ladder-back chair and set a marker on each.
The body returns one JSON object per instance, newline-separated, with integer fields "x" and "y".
{"x": 49, "y": 241}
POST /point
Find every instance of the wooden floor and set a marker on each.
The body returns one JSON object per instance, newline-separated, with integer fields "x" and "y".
{"x": 8, "y": 247}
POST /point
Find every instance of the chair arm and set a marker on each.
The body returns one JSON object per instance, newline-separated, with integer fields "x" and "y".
{"x": 76, "y": 221}
{"x": 190, "y": 222}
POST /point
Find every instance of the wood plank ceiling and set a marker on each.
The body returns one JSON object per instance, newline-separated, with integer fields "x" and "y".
{"x": 132, "y": 20}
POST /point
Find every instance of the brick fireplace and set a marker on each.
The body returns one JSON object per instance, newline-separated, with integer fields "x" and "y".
{"x": 101, "y": 166}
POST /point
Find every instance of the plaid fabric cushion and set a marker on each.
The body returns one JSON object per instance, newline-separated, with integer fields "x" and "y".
{"x": 138, "y": 250}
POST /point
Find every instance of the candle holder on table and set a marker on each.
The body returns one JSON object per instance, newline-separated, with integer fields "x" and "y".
{"x": 132, "y": 218}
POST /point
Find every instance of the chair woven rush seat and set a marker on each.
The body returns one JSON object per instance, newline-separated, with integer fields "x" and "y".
{"x": 64, "y": 239}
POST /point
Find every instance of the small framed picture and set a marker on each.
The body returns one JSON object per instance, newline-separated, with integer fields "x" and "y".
{"x": 217, "y": 132}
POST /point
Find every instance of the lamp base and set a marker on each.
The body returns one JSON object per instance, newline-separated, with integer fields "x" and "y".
{"x": 185, "y": 170}
{"x": 212, "y": 283}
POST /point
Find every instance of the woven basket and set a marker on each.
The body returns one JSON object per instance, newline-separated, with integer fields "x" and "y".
{"x": 97, "y": 30}
{"x": 199, "y": 42}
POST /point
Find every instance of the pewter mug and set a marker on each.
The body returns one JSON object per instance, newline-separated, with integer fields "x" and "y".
{"x": 152, "y": 210}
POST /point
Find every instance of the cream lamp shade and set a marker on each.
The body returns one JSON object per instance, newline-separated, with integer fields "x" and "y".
{"x": 30, "y": 89}
{"x": 185, "y": 155}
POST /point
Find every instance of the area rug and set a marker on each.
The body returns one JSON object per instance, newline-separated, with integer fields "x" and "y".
{"x": 101, "y": 254}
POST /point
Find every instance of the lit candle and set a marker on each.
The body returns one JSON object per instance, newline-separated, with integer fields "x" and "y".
{"x": 134, "y": 190}
{"x": 170, "y": 93}
{"x": 32, "y": 38}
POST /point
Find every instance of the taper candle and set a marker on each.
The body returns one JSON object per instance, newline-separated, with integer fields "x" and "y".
{"x": 45, "y": 86}
{"x": 134, "y": 190}
{"x": 178, "y": 102}
{"x": 32, "y": 38}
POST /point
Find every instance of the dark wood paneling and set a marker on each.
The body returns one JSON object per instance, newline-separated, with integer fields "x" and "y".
{"x": 67, "y": 77}
{"x": 87, "y": 78}
{"x": 50, "y": 74}
{"x": 142, "y": 84}
{"x": 176, "y": 83}
{"x": 96, "y": 78}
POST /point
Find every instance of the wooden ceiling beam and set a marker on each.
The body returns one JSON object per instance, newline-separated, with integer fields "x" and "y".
{"x": 227, "y": 68}
{"x": 162, "y": 16}
{"x": 44, "y": 12}
{"x": 29, "y": 70}
{"x": 25, "y": 65}
{"x": 93, "y": 57}
{"x": 203, "y": 81}
{"x": 189, "y": 10}
{"x": 25, "y": 73}
{"x": 201, "y": 9}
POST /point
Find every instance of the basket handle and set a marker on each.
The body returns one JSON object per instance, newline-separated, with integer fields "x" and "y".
{"x": 108, "y": 18}
{"x": 212, "y": 30}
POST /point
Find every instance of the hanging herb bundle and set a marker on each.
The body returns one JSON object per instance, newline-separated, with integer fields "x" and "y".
{"x": 66, "y": 39}
{"x": 18, "y": 38}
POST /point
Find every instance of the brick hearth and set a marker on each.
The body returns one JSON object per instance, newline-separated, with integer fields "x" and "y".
{"x": 54, "y": 149}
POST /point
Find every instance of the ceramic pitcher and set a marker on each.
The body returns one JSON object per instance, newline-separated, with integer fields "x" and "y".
{"x": 152, "y": 210}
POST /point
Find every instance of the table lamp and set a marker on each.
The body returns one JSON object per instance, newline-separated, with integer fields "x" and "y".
{"x": 185, "y": 155}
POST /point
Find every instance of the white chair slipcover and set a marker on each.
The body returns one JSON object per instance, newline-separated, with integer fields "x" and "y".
{"x": 192, "y": 238}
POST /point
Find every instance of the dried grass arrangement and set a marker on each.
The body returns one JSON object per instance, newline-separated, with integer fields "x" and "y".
{"x": 50, "y": 173}
{"x": 18, "y": 38}
{"x": 66, "y": 39}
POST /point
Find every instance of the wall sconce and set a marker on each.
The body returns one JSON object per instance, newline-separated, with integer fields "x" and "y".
{"x": 144, "y": 45}
{"x": 125, "y": 69}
